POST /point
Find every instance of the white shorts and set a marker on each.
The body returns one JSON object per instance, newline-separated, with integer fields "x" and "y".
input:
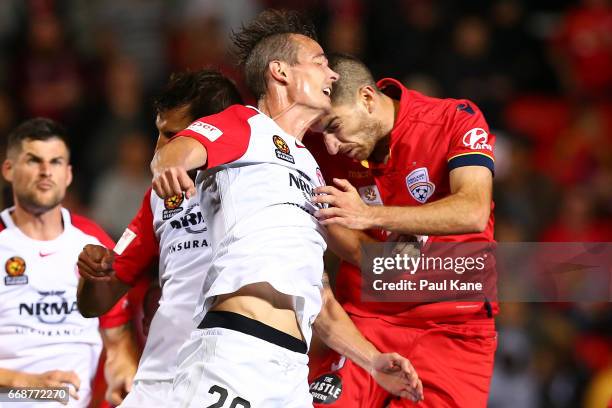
{"x": 226, "y": 368}
{"x": 148, "y": 393}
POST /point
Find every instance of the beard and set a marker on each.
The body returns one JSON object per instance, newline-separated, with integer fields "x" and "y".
{"x": 37, "y": 204}
{"x": 372, "y": 131}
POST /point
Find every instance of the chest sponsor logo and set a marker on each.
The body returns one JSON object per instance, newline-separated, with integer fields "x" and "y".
{"x": 476, "y": 139}
{"x": 370, "y": 195}
{"x": 189, "y": 244}
{"x": 15, "y": 268}
{"x": 303, "y": 183}
{"x": 173, "y": 206}
{"x": 282, "y": 149}
{"x": 209, "y": 131}
{"x": 326, "y": 389}
{"x": 51, "y": 308}
{"x": 192, "y": 221}
{"x": 419, "y": 186}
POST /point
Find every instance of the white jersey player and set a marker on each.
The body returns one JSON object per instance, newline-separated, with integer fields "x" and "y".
{"x": 173, "y": 230}
{"x": 262, "y": 292}
{"x": 44, "y": 340}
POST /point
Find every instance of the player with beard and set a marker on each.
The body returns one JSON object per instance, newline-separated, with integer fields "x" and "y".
{"x": 262, "y": 292}
{"x": 423, "y": 167}
{"x": 44, "y": 341}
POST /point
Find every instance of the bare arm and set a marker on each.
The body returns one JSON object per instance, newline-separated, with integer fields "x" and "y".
{"x": 392, "y": 371}
{"x": 99, "y": 289}
{"x": 121, "y": 362}
{"x": 465, "y": 210}
{"x": 171, "y": 164}
{"x": 346, "y": 243}
{"x": 48, "y": 379}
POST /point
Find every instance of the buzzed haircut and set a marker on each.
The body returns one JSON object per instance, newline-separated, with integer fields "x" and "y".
{"x": 353, "y": 76}
{"x": 206, "y": 92}
{"x": 268, "y": 38}
{"x": 35, "y": 129}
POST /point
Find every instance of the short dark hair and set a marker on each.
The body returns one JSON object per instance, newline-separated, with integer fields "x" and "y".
{"x": 206, "y": 92}
{"x": 353, "y": 75}
{"x": 268, "y": 38}
{"x": 36, "y": 129}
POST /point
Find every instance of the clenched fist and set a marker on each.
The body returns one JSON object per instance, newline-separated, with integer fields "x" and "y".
{"x": 96, "y": 263}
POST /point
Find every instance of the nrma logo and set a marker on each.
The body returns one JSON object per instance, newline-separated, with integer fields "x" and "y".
{"x": 51, "y": 308}
{"x": 192, "y": 221}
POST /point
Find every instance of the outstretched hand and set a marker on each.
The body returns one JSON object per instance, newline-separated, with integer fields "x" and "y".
{"x": 396, "y": 374}
{"x": 346, "y": 207}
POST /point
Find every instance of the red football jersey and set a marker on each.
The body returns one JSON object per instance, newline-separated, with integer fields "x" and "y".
{"x": 430, "y": 138}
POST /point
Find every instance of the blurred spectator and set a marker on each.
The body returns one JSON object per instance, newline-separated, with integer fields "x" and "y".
{"x": 584, "y": 50}
{"x": 136, "y": 28}
{"x": 48, "y": 73}
{"x": 119, "y": 192}
{"x": 470, "y": 71}
{"x": 404, "y": 36}
{"x": 577, "y": 220}
{"x": 122, "y": 113}
{"x": 524, "y": 196}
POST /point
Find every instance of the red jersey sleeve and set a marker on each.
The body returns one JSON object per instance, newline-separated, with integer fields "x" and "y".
{"x": 137, "y": 248}
{"x": 120, "y": 314}
{"x": 225, "y": 135}
{"x": 471, "y": 142}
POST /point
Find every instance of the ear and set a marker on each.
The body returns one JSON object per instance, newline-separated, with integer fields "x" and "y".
{"x": 69, "y": 178}
{"x": 7, "y": 170}
{"x": 278, "y": 71}
{"x": 367, "y": 96}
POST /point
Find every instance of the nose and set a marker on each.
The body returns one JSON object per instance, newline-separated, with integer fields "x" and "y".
{"x": 333, "y": 75}
{"x": 45, "y": 169}
{"x": 331, "y": 143}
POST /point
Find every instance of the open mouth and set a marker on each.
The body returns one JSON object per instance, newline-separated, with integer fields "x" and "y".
{"x": 327, "y": 91}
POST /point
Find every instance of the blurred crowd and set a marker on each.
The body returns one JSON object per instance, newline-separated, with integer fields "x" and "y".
{"x": 541, "y": 73}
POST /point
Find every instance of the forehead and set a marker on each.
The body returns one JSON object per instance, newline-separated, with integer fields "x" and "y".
{"x": 307, "y": 46}
{"x": 175, "y": 117}
{"x": 44, "y": 148}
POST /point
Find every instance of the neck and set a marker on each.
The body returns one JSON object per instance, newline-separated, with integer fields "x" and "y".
{"x": 42, "y": 227}
{"x": 292, "y": 118}
{"x": 388, "y": 115}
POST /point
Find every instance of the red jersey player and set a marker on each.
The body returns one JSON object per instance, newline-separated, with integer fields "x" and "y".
{"x": 431, "y": 162}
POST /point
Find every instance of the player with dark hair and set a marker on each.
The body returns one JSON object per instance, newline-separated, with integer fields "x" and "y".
{"x": 172, "y": 230}
{"x": 262, "y": 292}
{"x": 423, "y": 167}
{"x": 44, "y": 342}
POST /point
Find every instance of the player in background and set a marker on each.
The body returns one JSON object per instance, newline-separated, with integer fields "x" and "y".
{"x": 44, "y": 341}
{"x": 262, "y": 292}
{"x": 430, "y": 164}
{"x": 171, "y": 231}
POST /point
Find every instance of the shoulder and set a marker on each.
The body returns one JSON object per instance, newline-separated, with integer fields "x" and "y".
{"x": 232, "y": 120}
{"x": 89, "y": 227}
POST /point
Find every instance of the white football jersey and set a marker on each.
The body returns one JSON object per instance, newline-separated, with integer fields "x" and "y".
{"x": 41, "y": 328}
{"x": 255, "y": 195}
{"x": 173, "y": 229}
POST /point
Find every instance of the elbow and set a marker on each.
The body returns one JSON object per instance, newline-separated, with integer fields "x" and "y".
{"x": 478, "y": 220}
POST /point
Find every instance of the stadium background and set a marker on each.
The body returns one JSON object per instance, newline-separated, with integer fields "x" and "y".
{"x": 540, "y": 71}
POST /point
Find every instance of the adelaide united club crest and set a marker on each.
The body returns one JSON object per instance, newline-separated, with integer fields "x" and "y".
{"x": 419, "y": 186}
